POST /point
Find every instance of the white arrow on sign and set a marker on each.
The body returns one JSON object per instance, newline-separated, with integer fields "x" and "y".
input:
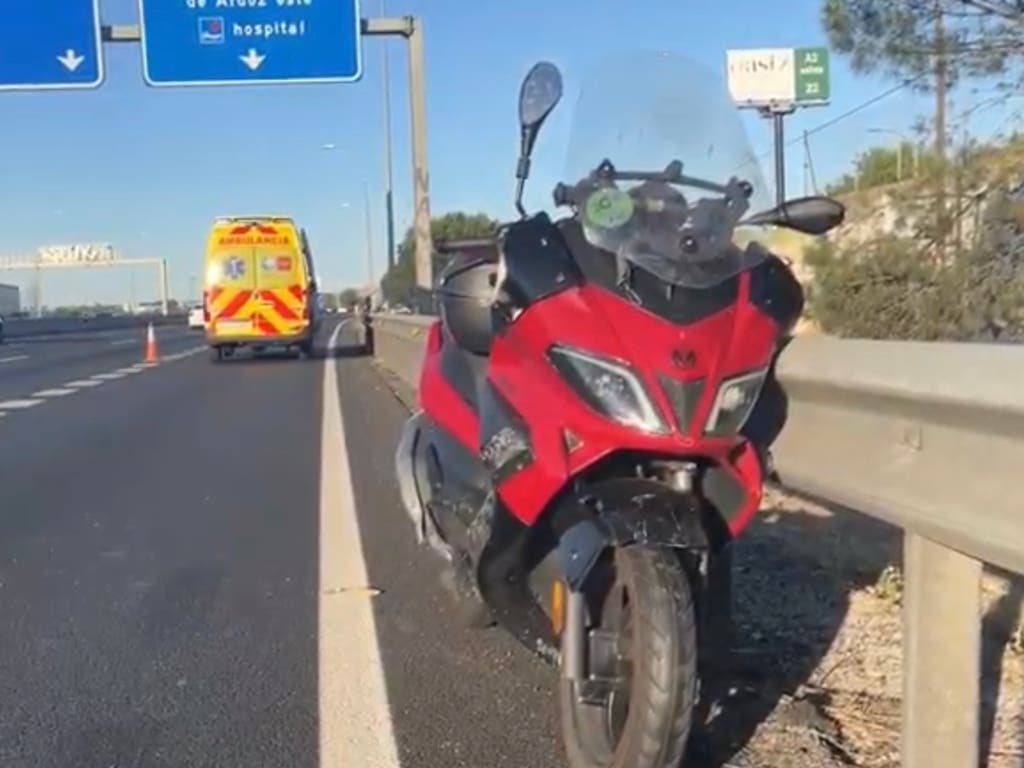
{"x": 252, "y": 59}
{"x": 71, "y": 60}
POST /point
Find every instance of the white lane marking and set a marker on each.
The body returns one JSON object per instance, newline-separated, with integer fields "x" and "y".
{"x": 54, "y": 392}
{"x": 133, "y": 369}
{"x": 107, "y": 376}
{"x": 13, "y": 358}
{"x": 83, "y": 383}
{"x": 355, "y": 722}
{"x": 19, "y": 405}
{"x": 183, "y": 355}
{"x": 122, "y": 342}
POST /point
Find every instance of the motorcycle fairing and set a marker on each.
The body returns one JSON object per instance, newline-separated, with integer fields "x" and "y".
{"x": 594, "y": 319}
{"x": 439, "y": 398}
{"x": 536, "y": 263}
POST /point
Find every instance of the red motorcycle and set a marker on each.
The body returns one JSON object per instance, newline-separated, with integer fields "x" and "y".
{"x": 585, "y": 451}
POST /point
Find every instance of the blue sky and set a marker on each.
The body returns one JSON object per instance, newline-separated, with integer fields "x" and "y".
{"x": 147, "y": 169}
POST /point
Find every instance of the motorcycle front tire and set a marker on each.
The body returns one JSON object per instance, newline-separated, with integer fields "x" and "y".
{"x": 663, "y": 688}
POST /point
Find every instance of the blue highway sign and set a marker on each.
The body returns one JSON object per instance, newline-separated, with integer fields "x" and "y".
{"x": 50, "y": 44}
{"x": 236, "y": 42}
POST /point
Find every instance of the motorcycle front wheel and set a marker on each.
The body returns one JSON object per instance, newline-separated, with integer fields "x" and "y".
{"x": 643, "y": 659}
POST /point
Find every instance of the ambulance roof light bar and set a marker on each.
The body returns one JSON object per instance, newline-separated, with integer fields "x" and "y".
{"x": 257, "y": 217}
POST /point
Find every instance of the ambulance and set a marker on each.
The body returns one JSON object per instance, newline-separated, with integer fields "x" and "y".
{"x": 259, "y": 286}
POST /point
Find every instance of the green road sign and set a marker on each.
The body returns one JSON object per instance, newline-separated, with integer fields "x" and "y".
{"x": 811, "y": 73}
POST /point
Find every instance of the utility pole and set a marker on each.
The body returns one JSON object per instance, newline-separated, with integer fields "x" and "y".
{"x": 810, "y": 163}
{"x": 389, "y": 200}
{"x": 369, "y": 233}
{"x": 940, "y": 129}
{"x": 961, "y": 168}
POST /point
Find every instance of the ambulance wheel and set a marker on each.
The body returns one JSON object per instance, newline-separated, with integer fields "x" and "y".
{"x": 216, "y": 354}
{"x": 306, "y": 350}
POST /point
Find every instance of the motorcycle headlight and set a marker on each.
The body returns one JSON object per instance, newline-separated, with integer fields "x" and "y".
{"x": 610, "y": 388}
{"x": 734, "y": 402}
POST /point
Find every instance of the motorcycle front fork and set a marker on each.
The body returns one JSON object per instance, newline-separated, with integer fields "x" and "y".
{"x": 574, "y": 637}
{"x": 715, "y": 595}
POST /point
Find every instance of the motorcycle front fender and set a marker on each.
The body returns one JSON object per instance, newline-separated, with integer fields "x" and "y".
{"x": 413, "y": 482}
{"x": 405, "y": 471}
{"x": 623, "y": 511}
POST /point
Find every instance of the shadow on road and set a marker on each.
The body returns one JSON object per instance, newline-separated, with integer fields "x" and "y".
{"x": 1002, "y": 621}
{"x": 793, "y": 575}
{"x": 344, "y": 352}
{"x": 271, "y": 356}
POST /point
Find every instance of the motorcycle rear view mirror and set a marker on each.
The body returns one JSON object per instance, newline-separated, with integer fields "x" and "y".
{"x": 810, "y": 215}
{"x": 539, "y": 94}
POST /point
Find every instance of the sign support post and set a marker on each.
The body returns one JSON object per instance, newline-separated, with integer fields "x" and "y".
{"x": 778, "y": 115}
{"x": 409, "y": 28}
{"x": 776, "y": 81}
{"x": 163, "y": 288}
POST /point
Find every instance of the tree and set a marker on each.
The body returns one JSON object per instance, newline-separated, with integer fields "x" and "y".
{"x": 926, "y": 43}
{"x": 330, "y": 301}
{"x": 885, "y": 288}
{"x": 884, "y": 165}
{"x": 348, "y": 297}
{"x": 904, "y": 38}
{"x": 399, "y": 284}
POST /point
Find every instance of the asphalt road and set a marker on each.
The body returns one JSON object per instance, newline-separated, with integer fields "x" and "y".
{"x": 50, "y": 362}
{"x": 207, "y": 565}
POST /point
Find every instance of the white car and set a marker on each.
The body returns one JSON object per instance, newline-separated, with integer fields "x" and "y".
{"x": 195, "y": 317}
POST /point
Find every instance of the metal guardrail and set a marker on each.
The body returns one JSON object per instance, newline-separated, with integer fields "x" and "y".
{"x": 21, "y": 328}
{"x": 926, "y": 436}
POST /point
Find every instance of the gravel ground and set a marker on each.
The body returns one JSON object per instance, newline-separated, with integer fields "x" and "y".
{"x": 816, "y": 679}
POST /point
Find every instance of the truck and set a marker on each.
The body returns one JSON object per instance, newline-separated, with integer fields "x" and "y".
{"x": 10, "y": 299}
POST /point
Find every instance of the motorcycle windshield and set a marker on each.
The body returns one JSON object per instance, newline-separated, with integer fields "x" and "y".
{"x": 641, "y": 113}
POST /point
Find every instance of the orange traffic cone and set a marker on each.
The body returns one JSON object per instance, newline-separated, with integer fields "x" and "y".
{"x": 152, "y": 355}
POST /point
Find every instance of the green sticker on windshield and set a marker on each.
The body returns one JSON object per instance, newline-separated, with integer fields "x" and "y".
{"x": 608, "y": 208}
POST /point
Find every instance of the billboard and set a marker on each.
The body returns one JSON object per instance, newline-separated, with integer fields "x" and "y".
{"x": 773, "y": 77}
{"x": 76, "y": 254}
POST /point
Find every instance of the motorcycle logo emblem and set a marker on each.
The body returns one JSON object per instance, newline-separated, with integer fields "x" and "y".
{"x": 683, "y": 358}
{"x": 234, "y": 267}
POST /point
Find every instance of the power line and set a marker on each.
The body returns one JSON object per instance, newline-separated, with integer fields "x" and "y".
{"x": 1004, "y": 9}
{"x": 849, "y": 113}
{"x": 865, "y": 105}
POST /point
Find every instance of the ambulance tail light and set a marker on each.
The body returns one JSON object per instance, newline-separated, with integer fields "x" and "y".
{"x": 206, "y": 307}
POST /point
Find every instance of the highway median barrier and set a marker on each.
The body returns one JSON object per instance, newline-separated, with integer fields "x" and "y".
{"x": 27, "y": 328}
